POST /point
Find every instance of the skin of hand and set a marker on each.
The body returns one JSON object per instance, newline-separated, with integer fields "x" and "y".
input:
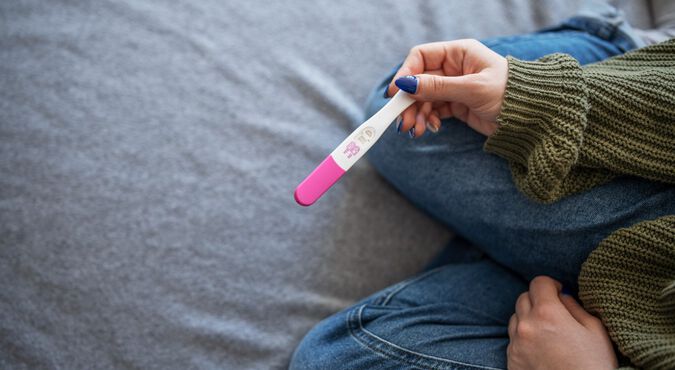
{"x": 551, "y": 331}
{"x": 461, "y": 78}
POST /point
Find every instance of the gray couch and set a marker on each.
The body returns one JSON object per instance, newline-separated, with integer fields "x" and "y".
{"x": 148, "y": 156}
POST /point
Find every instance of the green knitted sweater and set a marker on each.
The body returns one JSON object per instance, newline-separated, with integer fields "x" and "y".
{"x": 566, "y": 128}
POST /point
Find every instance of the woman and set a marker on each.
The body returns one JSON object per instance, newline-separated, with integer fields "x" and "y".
{"x": 583, "y": 174}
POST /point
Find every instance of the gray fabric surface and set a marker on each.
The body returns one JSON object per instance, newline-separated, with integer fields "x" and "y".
{"x": 148, "y": 156}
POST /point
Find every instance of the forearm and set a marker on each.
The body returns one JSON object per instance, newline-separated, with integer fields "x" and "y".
{"x": 565, "y": 128}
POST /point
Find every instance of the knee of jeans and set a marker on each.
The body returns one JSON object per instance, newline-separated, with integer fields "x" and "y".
{"x": 327, "y": 346}
{"x": 332, "y": 344}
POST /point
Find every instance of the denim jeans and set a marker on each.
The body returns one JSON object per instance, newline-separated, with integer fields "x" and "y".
{"x": 455, "y": 316}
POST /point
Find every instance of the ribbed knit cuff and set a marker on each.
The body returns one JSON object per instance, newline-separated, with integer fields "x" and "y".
{"x": 542, "y": 121}
{"x": 627, "y": 281}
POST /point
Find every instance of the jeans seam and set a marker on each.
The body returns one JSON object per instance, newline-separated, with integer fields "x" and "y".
{"x": 407, "y": 283}
{"x": 389, "y": 350}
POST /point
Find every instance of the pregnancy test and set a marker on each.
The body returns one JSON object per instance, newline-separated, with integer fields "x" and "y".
{"x": 350, "y": 150}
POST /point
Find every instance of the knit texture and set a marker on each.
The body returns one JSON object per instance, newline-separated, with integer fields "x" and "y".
{"x": 565, "y": 128}
{"x": 629, "y": 281}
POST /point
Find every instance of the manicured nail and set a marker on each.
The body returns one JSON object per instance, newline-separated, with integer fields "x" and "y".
{"x": 386, "y": 92}
{"x": 407, "y": 84}
{"x": 411, "y": 132}
{"x": 399, "y": 121}
{"x": 565, "y": 291}
{"x": 431, "y": 127}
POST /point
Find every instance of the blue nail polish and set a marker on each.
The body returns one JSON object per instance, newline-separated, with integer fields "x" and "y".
{"x": 565, "y": 291}
{"x": 407, "y": 84}
{"x": 411, "y": 132}
{"x": 398, "y": 127}
{"x": 385, "y": 95}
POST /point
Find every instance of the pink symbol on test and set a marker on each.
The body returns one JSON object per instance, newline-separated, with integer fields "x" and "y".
{"x": 352, "y": 149}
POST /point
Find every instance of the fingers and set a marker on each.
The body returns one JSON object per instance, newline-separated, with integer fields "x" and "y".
{"x": 458, "y": 58}
{"x": 418, "y": 118}
{"x": 446, "y": 57}
{"x": 543, "y": 290}
{"x": 409, "y": 119}
{"x": 444, "y": 111}
{"x": 523, "y": 304}
{"x": 464, "y": 75}
{"x": 434, "y": 121}
{"x": 450, "y": 73}
{"x": 513, "y": 324}
{"x": 421, "y": 58}
{"x": 584, "y": 318}
{"x": 421, "y": 118}
{"x": 432, "y": 87}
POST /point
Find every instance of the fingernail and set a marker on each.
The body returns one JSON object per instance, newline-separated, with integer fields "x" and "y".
{"x": 411, "y": 132}
{"x": 386, "y": 92}
{"x": 407, "y": 84}
{"x": 398, "y": 124}
{"x": 431, "y": 127}
{"x": 565, "y": 291}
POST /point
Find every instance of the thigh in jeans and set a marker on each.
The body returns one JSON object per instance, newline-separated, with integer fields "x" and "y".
{"x": 452, "y": 317}
{"x": 452, "y": 178}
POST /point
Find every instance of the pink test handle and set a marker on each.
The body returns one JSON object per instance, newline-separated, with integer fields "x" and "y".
{"x": 318, "y": 182}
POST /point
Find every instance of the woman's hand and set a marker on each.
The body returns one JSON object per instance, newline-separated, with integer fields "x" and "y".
{"x": 552, "y": 331}
{"x": 462, "y": 79}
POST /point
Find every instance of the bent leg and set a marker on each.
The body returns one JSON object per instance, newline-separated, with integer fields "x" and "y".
{"x": 450, "y": 176}
{"x": 453, "y": 317}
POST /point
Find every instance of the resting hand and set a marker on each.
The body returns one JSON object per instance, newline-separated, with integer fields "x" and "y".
{"x": 462, "y": 79}
{"x": 552, "y": 331}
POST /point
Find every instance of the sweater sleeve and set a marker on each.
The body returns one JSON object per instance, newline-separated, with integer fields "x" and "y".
{"x": 629, "y": 282}
{"x": 565, "y": 128}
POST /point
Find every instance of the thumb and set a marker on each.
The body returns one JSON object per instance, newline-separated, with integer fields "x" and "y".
{"x": 584, "y": 318}
{"x": 429, "y": 87}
